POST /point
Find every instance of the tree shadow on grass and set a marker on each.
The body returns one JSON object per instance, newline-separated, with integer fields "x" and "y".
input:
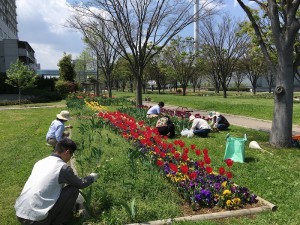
{"x": 250, "y": 160}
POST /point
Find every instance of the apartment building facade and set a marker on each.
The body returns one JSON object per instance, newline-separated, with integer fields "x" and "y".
{"x": 11, "y": 48}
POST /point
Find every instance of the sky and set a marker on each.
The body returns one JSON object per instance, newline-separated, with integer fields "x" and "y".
{"x": 42, "y": 24}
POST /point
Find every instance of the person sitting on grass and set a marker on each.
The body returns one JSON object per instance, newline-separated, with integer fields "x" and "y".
{"x": 155, "y": 110}
{"x": 165, "y": 126}
{"x": 56, "y": 130}
{"x": 199, "y": 126}
{"x": 219, "y": 121}
{"x": 52, "y": 188}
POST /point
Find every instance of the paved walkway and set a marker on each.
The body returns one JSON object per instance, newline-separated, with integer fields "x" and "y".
{"x": 242, "y": 121}
{"x": 32, "y": 107}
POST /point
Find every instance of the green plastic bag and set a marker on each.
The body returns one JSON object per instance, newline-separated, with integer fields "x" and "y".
{"x": 235, "y": 148}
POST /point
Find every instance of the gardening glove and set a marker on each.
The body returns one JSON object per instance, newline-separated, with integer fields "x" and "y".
{"x": 94, "y": 175}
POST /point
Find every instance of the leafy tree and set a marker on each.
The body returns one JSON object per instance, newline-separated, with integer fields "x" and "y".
{"x": 239, "y": 75}
{"x": 20, "y": 76}
{"x": 254, "y": 67}
{"x": 223, "y": 47}
{"x": 123, "y": 73}
{"x": 100, "y": 38}
{"x": 181, "y": 55}
{"x": 283, "y": 17}
{"x": 199, "y": 74}
{"x": 84, "y": 62}
{"x": 66, "y": 68}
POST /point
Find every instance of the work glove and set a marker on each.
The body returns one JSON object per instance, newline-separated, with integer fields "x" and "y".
{"x": 94, "y": 175}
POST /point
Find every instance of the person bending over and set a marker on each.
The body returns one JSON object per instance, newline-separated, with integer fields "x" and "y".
{"x": 199, "y": 126}
{"x": 155, "y": 110}
{"x": 57, "y": 128}
{"x": 218, "y": 121}
{"x": 165, "y": 126}
{"x": 50, "y": 193}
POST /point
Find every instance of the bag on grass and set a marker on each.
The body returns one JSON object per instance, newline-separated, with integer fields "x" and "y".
{"x": 187, "y": 133}
{"x": 235, "y": 148}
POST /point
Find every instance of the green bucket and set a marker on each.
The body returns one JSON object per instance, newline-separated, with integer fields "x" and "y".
{"x": 235, "y": 148}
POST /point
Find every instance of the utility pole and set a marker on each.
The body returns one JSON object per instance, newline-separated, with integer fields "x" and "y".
{"x": 196, "y": 25}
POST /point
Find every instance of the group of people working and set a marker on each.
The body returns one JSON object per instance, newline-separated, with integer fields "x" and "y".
{"x": 200, "y": 127}
{"x": 51, "y": 191}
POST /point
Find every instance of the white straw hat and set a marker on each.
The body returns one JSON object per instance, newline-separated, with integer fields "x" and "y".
{"x": 64, "y": 115}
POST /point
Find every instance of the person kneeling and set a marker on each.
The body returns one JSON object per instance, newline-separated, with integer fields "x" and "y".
{"x": 52, "y": 188}
{"x": 219, "y": 121}
{"x": 200, "y": 126}
{"x": 165, "y": 126}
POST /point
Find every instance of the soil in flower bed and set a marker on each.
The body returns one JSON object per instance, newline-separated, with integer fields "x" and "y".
{"x": 187, "y": 210}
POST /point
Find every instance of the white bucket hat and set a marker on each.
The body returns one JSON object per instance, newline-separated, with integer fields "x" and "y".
{"x": 64, "y": 115}
{"x": 211, "y": 114}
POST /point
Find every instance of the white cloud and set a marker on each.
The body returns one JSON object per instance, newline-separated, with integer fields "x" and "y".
{"x": 41, "y": 24}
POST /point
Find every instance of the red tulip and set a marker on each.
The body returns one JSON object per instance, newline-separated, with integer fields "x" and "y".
{"x": 193, "y": 175}
{"x": 184, "y": 169}
{"x": 173, "y": 167}
{"x": 186, "y": 150}
{"x": 200, "y": 163}
{"x": 198, "y": 152}
{"x": 193, "y": 146}
{"x": 177, "y": 155}
{"x": 208, "y": 169}
{"x": 221, "y": 171}
{"x": 207, "y": 160}
{"x": 184, "y": 157}
{"x": 229, "y": 162}
{"x": 229, "y": 175}
{"x": 159, "y": 163}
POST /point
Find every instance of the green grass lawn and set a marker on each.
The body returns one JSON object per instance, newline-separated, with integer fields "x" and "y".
{"x": 274, "y": 178}
{"x": 260, "y": 106}
{"x": 22, "y": 137}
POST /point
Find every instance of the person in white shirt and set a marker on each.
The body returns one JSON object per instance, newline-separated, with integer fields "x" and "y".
{"x": 57, "y": 128}
{"x": 52, "y": 188}
{"x": 199, "y": 126}
{"x": 155, "y": 110}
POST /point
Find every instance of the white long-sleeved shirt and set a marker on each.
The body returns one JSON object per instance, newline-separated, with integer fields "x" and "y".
{"x": 199, "y": 124}
{"x": 154, "y": 110}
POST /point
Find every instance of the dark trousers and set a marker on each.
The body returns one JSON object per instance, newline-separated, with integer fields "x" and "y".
{"x": 62, "y": 210}
{"x": 202, "y": 132}
{"x": 222, "y": 127}
{"x": 167, "y": 129}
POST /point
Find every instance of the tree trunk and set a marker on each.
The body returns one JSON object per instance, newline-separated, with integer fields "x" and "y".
{"x": 281, "y": 133}
{"x": 184, "y": 91}
{"x": 19, "y": 96}
{"x": 139, "y": 99}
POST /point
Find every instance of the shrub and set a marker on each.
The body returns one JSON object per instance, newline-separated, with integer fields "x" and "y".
{"x": 65, "y": 87}
{"x": 179, "y": 90}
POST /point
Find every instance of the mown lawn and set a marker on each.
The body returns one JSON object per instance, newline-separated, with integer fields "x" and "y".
{"x": 274, "y": 178}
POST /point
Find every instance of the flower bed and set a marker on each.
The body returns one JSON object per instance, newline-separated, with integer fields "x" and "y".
{"x": 193, "y": 177}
